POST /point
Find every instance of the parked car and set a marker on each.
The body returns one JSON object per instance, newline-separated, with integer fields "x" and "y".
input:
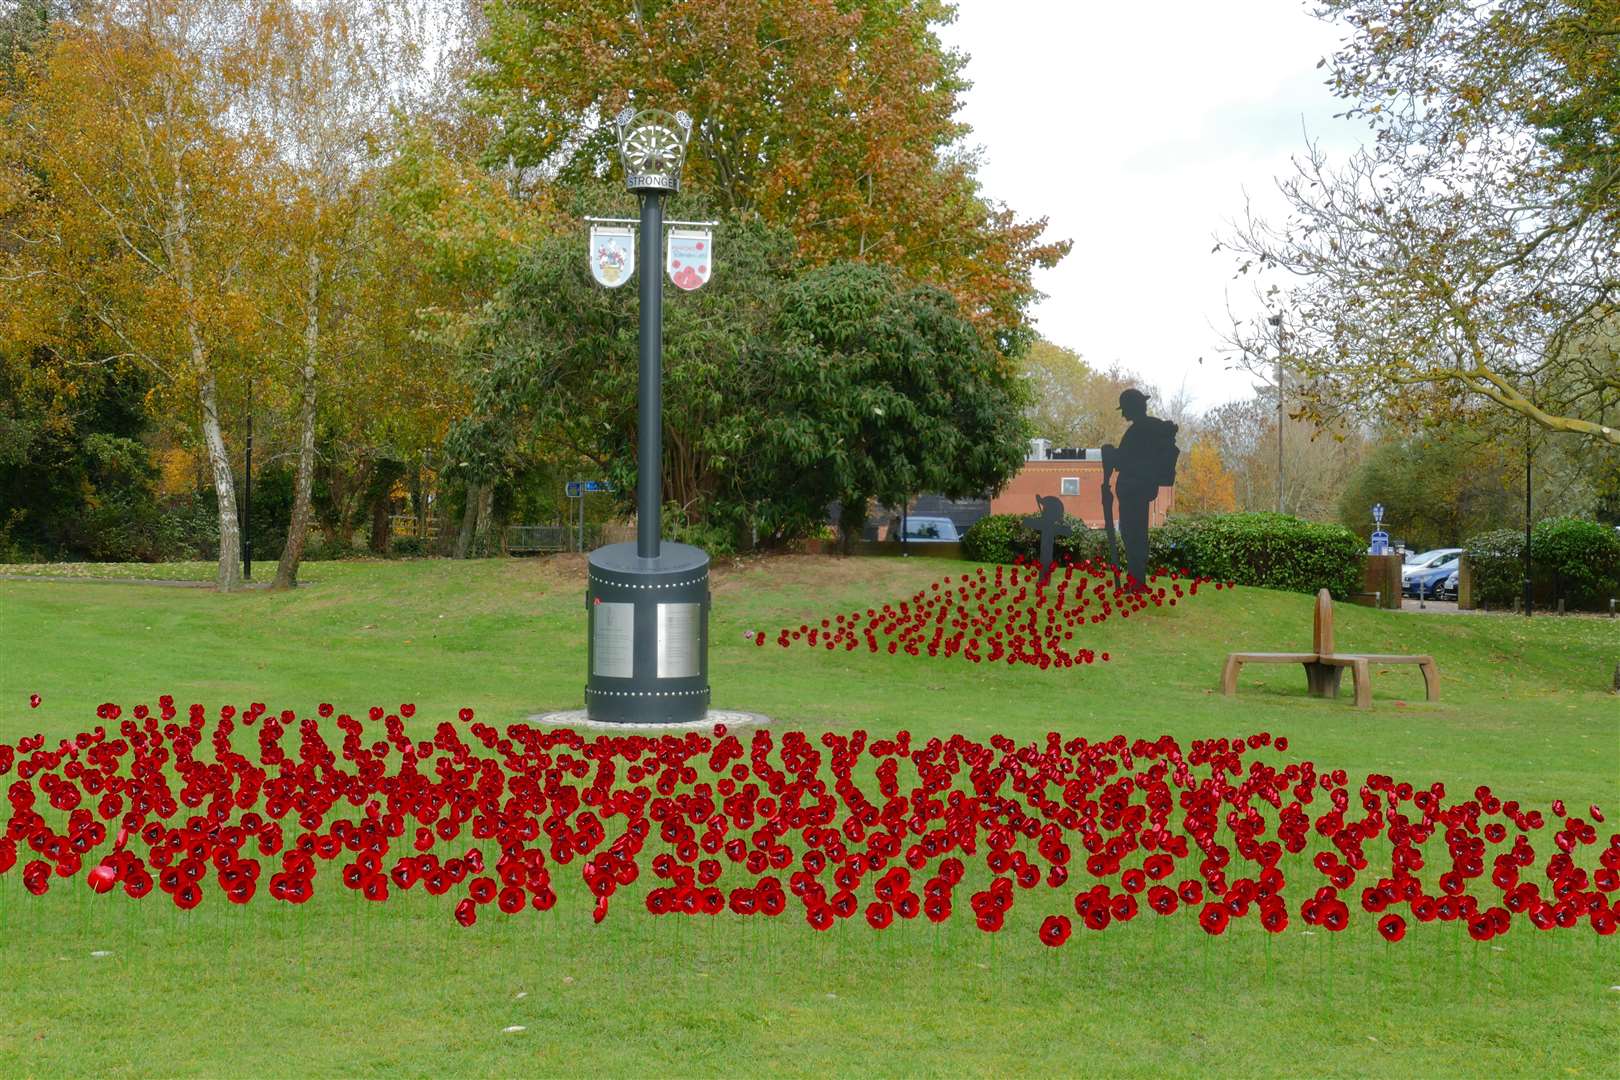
{"x": 1430, "y": 584}
{"x": 1428, "y": 560}
{"x": 925, "y": 530}
{"x": 1449, "y": 589}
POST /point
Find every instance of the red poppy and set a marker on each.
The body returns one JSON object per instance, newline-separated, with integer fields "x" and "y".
{"x": 102, "y": 878}
{"x": 1055, "y": 930}
{"x": 1213, "y": 918}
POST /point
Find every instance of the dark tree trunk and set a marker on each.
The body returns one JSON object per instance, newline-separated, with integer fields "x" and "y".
{"x": 851, "y": 523}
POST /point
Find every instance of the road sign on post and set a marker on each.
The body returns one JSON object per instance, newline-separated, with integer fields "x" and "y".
{"x": 578, "y": 489}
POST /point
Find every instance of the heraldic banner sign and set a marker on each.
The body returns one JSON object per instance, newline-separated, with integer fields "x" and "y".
{"x": 613, "y": 254}
{"x": 690, "y": 257}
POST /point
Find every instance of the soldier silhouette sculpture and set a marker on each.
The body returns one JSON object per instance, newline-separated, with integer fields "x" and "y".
{"x": 1142, "y": 463}
{"x": 1050, "y": 525}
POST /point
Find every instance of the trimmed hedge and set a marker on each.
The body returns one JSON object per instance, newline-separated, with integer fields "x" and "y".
{"x": 998, "y": 538}
{"x": 1570, "y": 558}
{"x": 1496, "y": 561}
{"x": 1582, "y": 557}
{"x": 1272, "y": 551}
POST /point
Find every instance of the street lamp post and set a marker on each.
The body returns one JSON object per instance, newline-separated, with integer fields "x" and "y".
{"x": 648, "y": 602}
{"x": 1528, "y": 589}
{"x": 1276, "y": 320}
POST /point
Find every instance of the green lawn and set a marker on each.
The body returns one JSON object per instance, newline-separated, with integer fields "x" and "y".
{"x": 342, "y": 987}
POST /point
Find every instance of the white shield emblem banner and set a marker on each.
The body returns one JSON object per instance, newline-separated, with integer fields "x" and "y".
{"x": 613, "y": 254}
{"x": 690, "y": 257}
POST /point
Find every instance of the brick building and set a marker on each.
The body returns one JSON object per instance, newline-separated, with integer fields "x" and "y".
{"x": 1073, "y": 475}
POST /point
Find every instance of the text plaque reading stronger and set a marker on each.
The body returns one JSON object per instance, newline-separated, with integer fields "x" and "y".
{"x": 678, "y": 644}
{"x": 613, "y": 641}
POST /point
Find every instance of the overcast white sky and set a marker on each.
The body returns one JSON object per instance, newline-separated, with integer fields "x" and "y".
{"x": 1137, "y": 131}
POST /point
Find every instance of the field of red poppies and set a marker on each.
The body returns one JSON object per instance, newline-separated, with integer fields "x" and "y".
{"x": 829, "y": 828}
{"x": 923, "y": 866}
{"x": 1019, "y": 614}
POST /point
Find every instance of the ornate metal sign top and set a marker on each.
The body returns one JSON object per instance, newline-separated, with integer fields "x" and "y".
{"x": 652, "y": 145}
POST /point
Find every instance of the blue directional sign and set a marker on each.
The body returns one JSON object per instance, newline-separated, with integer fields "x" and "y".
{"x": 577, "y": 488}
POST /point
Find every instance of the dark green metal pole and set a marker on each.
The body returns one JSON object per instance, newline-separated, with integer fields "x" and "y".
{"x": 650, "y": 445}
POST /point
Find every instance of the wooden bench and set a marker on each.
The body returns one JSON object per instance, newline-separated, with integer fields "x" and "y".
{"x": 1324, "y": 666}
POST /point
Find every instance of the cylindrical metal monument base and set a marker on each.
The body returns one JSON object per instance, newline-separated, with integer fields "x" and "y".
{"x": 648, "y": 635}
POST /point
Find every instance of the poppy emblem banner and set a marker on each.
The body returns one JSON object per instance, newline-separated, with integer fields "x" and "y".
{"x": 613, "y": 255}
{"x": 689, "y": 257}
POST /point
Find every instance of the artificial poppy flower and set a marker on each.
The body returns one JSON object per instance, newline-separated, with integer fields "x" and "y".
{"x": 1055, "y": 930}
{"x": 1392, "y": 926}
{"x": 1213, "y": 918}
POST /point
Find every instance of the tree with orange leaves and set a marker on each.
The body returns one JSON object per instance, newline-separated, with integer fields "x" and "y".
{"x": 1204, "y": 486}
{"x": 835, "y": 120}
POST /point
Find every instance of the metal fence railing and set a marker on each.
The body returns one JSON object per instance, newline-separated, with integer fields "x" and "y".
{"x": 524, "y": 539}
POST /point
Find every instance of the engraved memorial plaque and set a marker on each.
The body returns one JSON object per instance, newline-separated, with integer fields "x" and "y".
{"x": 613, "y": 640}
{"x": 678, "y": 645}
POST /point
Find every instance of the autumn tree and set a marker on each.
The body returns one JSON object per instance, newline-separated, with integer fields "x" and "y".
{"x": 1436, "y": 487}
{"x": 1063, "y": 395}
{"x": 128, "y": 202}
{"x": 447, "y": 237}
{"x": 1467, "y": 253}
{"x": 318, "y": 86}
{"x": 836, "y": 120}
{"x": 1203, "y": 486}
{"x": 1316, "y": 460}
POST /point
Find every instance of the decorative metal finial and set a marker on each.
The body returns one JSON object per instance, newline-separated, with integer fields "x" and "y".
{"x": 652, "y": 145}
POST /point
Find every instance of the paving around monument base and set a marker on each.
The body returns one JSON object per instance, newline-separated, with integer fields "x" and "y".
{"x": 917, "y": 850}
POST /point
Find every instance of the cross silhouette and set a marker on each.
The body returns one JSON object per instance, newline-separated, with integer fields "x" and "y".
{"x": 1050, "y": 525}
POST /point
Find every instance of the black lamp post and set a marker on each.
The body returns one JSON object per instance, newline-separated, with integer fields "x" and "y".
{"x": 1277, "y": 321}
{"x": 1529, "y": 602}
{"x": 648, "y": 602}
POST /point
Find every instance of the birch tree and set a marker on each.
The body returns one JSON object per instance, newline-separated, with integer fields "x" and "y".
{"x": 127, "y": 200}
